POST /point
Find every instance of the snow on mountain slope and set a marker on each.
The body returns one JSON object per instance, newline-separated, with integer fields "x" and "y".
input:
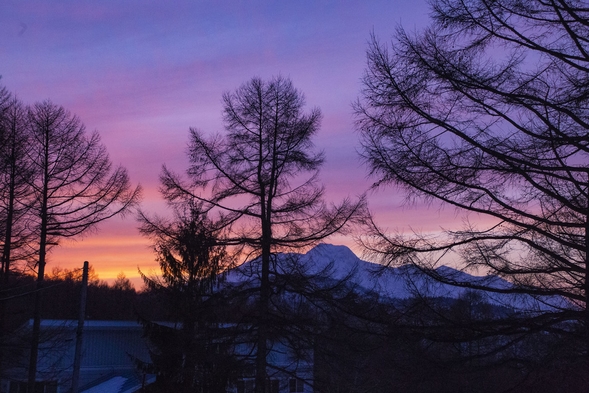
{"x": 396, "y": 283}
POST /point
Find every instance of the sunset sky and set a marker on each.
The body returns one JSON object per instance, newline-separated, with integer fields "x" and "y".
{"x": 143, "y": 72}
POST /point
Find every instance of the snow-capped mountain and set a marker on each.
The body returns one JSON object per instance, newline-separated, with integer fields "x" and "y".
{"x": 338, "y": 262}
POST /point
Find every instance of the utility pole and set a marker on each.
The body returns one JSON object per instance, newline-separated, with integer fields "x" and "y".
{"x": 80, "y": 330}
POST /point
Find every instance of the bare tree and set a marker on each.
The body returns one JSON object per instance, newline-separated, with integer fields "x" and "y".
{"x": 261, "y": 178}
{"x": 487, "y": 111}
{"x": 15, "y": 192}
{"x": 75, "y": 188}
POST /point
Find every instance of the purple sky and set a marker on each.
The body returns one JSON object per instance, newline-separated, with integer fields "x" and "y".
{"x": 143, "y": 72}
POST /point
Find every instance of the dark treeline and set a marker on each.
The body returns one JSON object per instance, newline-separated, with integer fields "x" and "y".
{"x": 105, "y": 302}
{"x": 358, "y": 340}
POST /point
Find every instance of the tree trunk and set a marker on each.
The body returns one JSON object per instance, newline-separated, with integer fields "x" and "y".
{"x": 261, "y": 361}
{"x": 586, "y": 319}
{"x": 5, "y": 269}
{"x": 40, "y": 278}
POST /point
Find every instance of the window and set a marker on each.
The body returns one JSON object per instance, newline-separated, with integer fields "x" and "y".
{"x": 248, "y": 386}
{"x": 245, "y": 386}
{"x": 51, "y": 387}
{"x": 296, "y": 385}
{"x": 273, "y": 386}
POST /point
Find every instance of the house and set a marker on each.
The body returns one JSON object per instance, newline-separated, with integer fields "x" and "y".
{"x": 109, "y": 353}
{"x": 287, "y": 372}
{"x": 224, "y": 358}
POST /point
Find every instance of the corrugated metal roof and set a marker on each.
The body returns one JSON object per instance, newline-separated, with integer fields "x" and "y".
{"x": 120, "y": 383}
{"x": 113, "y": 385}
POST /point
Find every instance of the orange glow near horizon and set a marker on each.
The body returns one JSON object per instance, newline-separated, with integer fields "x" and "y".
{"x": 109, "y": 256}
{"x": 119, "y": 247}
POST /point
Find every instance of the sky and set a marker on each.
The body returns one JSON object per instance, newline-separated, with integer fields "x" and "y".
{"x": 142, "y": 73}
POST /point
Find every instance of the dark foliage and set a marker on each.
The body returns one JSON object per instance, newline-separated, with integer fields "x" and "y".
{"x": 371, "y": 344}
{"x": 194, "y": 349}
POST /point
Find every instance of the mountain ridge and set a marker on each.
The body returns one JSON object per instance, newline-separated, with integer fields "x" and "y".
{"x": 402, "y": 282}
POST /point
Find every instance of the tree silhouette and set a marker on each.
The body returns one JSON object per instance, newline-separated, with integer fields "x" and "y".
{"x": 261, "y": 180}
{"x": 198, "y": 355}
{"x": 15, "y": 169}
{"x": 486, "y": 111}
{"x": 15, "y": 192}
{"x": 75, "y": 188}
